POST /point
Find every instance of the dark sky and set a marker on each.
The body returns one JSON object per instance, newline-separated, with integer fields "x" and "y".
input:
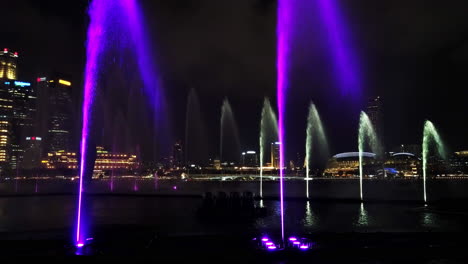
{"x": 412, "y": 53}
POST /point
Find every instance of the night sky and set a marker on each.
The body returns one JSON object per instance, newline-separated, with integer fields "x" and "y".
{"x": 414, "y": 54}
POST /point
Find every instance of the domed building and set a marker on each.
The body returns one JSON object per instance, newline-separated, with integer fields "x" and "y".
{"x": 402, "y": 164}
{"x": 347, "y": 165}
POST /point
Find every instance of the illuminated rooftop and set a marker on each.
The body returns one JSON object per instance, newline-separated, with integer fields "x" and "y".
{"x": 354, "y": 155}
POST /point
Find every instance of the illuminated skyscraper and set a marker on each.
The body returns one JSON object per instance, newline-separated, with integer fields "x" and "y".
{"x": 177, "y": 154}
{"x": 23, "y": 114}
{"x": 54, "y": 112}
{"x": 275, "y": 147}
{"x": 32, "y": 153}
{"x": 6, "y": 113}
{"x": 8, "y": 62}
{"x": 375, "y": 112}
{"x": 249, "y": 159}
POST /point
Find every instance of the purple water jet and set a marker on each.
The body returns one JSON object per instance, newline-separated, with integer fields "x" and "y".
{"x": 284, "y": 37}
{"x": 112, "y": 23}
{"x": 340, "y": 48}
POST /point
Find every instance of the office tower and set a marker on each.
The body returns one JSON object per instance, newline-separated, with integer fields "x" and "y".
{"x": 249, "y": 159}
{"x": 54, "y": 112}
{"x": 6, "y": 113}
{"x": 32, "y": 153}
{"x": 375, "y": 112}
{"x": 22, "y": 119}
{"x": 177, "y": 154}
{"x": 8, "y": 61}
{"x": 275, "y": 150}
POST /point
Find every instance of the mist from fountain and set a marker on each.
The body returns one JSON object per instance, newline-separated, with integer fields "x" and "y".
{"x": 314, "y": 130}
{"x": 229, "y": 133}
{"x": 430, "y": 136}
{"x": 367, "y": 134}
{"x": 268, "y": 134}
{"x": 114, "y": 24}
{"x": 195, "y": 131}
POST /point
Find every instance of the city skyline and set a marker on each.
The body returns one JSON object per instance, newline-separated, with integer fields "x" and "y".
{"x": 44, "y": 121}
{"x": 409, "y": 93}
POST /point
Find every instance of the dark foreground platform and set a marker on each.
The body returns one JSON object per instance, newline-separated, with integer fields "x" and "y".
{"x": 134, "y": 245}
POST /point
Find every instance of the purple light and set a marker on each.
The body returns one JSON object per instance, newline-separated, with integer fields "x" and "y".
{"x": 264, "y": 239}
{"x": 80, "y": 245}
{"x": 174, "y": 187}
{"x": 105, "y": 15}
{"x": 292, "y": 239}
{"x": 146, "y": 65}
{"x": 271, "y": 247}
{"x": 269, "y": 243}
{"x": 340, "y": 48}
{"x": 283, "y": 33}
{"x": 296, "y": 243}
{"x": 304, "y": 247}
{"x": 97, "y": 13}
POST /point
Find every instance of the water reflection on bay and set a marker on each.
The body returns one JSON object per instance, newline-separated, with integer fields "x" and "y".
{"x": 310, "y": 219}
{"x": 363, "y": 219}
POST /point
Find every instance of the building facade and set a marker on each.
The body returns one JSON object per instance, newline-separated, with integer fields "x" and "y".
{"x": 275, "y": 151}
{"x": 6, "y": 113}
{"x": 32, "y": 147}
{"x": 105, "y": 161}
{"x": 8, "y": 65}
{"x": 249, "y": 159}
{"x": 347, "y": 165}
{"x": 23, "y": 115}
{"x": 54, "y": 113}
{"x": 374, "y": 110}
{"x": 177, "y": 155}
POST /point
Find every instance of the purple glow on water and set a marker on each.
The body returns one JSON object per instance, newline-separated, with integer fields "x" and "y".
{"x": 112, "y": 182}
{"x": 156, "y": 180}
{"x": 345, "y": 64}
{"x": 135, "y": 186}
{"x": 283, "y": 34}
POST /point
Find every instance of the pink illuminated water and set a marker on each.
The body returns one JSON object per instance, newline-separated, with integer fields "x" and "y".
{"x": 283, "y": 33}
{"x": 105, "y": 17}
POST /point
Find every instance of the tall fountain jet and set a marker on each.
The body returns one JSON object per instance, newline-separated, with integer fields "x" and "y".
{"x": 228, "y": 124}
{"x": 195, "y": 131}
{"x": 114, "y": 24}
{"x": 268, "y": 134}
{"x": 284, "y": 35}
{"x": 366, "y": 131}
{"x": 430, "y": 135}
{"x": 314, "y": 127}
{"x": 342, "y": 52}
